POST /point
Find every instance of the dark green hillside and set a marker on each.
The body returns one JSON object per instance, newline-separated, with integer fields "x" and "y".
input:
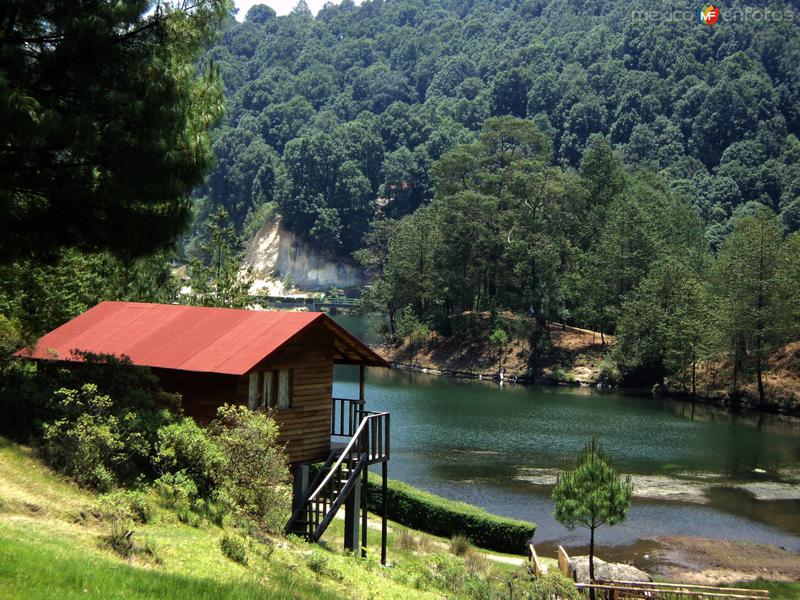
{"x": 326, "y": 114}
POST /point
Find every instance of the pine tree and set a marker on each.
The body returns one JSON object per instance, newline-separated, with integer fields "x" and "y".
{"x": 103, "y": 123}
{"x": 216, "y": 278}
{"x": 592, "y": 494}
{"x": 752, "y": 296}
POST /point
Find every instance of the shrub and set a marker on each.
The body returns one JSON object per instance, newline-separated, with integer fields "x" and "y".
{"x": 88, "y": 443}
{"x": 254, "y": 479}
{"x": 317, "y": 562}
{"x": 103, "y": 433}
{"x": 234, "y": 548}
{"x": 124, "y": 506}
{"x": 186, "y": 448}
{"x": 609, "y": 372}
{"x": 552, "y": 585}
{"x": 460, "y": 545}
{"x": 427, "y": 512}
{"x": 177, "y": 491}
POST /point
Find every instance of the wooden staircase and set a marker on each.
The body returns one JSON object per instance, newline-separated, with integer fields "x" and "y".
{"x": 330, "y": 489}
{"x": 336, "y": 481}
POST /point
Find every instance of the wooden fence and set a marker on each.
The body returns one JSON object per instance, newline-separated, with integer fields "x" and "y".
{"x": 625, "y": 590}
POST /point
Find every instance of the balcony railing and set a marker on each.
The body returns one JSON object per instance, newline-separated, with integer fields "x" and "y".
{"x": 345, "y": 416}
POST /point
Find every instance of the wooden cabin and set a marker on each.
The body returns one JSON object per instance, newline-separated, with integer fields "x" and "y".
{"x": 277, "y": 360}
{"x": 210, "y": 356}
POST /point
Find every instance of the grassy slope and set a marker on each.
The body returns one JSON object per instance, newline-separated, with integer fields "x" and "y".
{"x": 49, "y": 551}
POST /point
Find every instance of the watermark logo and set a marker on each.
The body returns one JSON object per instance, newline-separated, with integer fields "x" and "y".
{"x": 708, "y": 14}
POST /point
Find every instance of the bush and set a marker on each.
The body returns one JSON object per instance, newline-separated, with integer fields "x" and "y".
{"x": 254, "y": 479}
{"x": 609, "y": 372}
{"x": 234, "y": 548}
{"x": 103, "y": 433}
{"x": 176, "y": 490}
{"x": 427, "y": 512}
{"x": 88, "y": 443}
{"x": 186, "y": 448}
{"x": 552, "y": 585}
{"x": 460, "y": 545}
{"x": 124, "y": 506}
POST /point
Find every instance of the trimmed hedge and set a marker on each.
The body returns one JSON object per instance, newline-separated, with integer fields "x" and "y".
{"x": 436, "y": 515}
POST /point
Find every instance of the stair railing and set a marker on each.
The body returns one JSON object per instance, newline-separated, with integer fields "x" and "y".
{"x": 368, "y": 445}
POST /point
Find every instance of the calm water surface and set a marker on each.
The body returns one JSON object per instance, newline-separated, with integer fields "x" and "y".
{"x": 696, "y": 470}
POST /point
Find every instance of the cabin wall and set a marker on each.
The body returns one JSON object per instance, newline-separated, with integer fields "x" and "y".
{"x": 202, "y": 393}
{"x": 305, "y": 427}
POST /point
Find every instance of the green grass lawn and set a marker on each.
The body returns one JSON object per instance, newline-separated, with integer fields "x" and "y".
{"x": 778, "y": 590}
{"x": 51, "y": 549}
{"x": 55, "y": 570}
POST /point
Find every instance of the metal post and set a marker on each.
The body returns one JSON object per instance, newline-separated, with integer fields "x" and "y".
{"x": 364, "y": 510}
{"x": 352, "y": 508}
{"x": 362, "y": 371}
{"x": 384, "y": 508}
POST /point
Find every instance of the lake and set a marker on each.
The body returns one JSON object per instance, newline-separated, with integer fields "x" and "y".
{"x": 697, "y": 470}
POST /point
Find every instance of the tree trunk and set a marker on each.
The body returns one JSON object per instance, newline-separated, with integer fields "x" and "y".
{"x": 760, "y": 374}
{"x": 694, "y": 379}
{"x": 591, "y": 562}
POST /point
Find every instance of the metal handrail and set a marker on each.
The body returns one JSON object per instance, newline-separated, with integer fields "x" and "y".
{"x": 346, "y": 452}
{"x": 341, "y": 496}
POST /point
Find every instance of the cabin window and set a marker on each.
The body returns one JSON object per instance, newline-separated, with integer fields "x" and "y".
{"x": 269, "y": 390}
{"x": 277, "y": 388}
{"x": 284, "y": 388}
{"x": 254, "y": 398}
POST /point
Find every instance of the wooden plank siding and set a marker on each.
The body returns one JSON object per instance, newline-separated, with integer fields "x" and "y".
{"x": 305, "y": 427}
{"x": 306, "y": 424}
{"x": 202, "y": 393}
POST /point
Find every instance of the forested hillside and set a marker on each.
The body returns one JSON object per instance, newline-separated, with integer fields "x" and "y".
{"x": 326, "y": 115}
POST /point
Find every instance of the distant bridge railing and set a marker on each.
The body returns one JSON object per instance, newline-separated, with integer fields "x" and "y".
{"x": 310, "y": 302}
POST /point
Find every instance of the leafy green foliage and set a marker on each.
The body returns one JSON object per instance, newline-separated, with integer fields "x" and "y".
{"x": 87, "y": 443}
{"x": 507, "y": 229}
{"x": 553, "y": 585}
{"x": 215, "y": 278}
{"x": 101, "y": 435}
{"x": 755, "y": 291}
{"x": 92, "y": 95}
{"x": 43, "y": 295}
{"x": 234, "y": 548}
{"x": 357, "y": 104}
{"x": 185, "y": 451}
{"x": 254, "y": 480}
{"x": 439, "y": 516}
{"x": 124, "y": 505}
{"x": 663, "y": 328}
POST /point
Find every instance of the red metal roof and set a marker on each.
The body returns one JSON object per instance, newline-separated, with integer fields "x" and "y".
{"x": 186, "y": 338}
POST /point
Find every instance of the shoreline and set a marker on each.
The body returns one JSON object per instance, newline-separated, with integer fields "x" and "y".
{"x": 722, "y": 403}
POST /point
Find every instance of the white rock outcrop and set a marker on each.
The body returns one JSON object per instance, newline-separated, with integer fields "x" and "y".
{"x": 275, "y": 253}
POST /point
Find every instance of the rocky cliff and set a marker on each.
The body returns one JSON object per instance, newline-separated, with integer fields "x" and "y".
{"x": 278, "y": 256}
